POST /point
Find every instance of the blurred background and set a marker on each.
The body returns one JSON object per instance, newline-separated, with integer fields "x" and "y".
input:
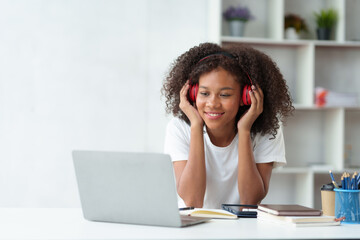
{"x": 78, "y": 74}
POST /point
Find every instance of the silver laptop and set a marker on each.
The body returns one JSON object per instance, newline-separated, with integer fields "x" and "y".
{"x": 135, "y": 188}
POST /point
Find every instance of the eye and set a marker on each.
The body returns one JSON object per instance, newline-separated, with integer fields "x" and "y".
{"x": 204, "y": 93}
{"x": 225, "y": 95}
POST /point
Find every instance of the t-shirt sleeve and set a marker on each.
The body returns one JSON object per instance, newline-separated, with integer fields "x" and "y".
{"x": 177, "y": 140}
{"x": 267, "y": 149}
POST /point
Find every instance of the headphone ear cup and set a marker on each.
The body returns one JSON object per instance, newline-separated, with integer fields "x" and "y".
{"x": 193, "y": 91}
{"x": 246, "y": 95}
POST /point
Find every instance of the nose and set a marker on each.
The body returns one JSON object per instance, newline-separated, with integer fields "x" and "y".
{"x": 213, "y": 101}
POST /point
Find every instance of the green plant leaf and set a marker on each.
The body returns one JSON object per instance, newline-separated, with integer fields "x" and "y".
{"x": 326, "y": 18}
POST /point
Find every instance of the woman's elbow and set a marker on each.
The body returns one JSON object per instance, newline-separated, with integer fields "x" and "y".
{"x": 192, "y": 201}
{"x": 253, "y": 200}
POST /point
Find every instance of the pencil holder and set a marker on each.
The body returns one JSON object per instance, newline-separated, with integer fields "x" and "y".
{"x": 347, "y": 204}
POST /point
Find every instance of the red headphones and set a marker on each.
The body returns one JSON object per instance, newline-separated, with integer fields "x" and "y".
{"x": 193, "y": 90}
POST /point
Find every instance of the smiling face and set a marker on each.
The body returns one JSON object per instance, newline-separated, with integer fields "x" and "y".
{"x": 218, "y": 99}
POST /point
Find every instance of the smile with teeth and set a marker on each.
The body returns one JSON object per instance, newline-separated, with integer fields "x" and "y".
{"x": 213, "y": 115}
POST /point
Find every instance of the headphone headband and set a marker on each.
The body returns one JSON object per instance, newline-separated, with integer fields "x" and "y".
{"x": 226, "y": 54}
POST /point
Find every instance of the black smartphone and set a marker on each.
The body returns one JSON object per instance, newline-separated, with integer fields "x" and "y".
{"x": 241, "y": 210}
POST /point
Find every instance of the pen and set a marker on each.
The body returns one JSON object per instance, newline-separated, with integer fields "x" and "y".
{"x": 186, "y": 208}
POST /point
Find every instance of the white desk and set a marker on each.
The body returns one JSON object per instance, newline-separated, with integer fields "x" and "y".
{"x": 44, "y": 223}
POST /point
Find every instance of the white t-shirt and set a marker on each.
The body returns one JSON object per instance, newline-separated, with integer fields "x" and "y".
{"x": 221, "y": 162}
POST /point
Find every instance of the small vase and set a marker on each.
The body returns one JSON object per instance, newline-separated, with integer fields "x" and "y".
{"x": 323, "y": 33}
{"x": 290, "y": 33}
{"x": 237, "y": 28}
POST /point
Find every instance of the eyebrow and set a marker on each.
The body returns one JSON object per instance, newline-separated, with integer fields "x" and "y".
{"x": 224, "y": 88}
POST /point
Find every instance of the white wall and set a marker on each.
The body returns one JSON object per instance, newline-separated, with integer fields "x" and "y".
{"x": 83, "y": 74}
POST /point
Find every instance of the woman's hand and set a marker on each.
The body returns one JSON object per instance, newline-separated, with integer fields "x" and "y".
{"x": 248, "y": 118}
{"x": 190, "y": 111}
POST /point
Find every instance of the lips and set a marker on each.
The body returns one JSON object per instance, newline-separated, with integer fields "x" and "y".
{"x": 213, "y": 115}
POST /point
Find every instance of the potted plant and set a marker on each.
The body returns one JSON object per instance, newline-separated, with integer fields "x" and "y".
{"x": 237, "y": 17}
{"x": 294, "y": 25}
{"x": 325, "y": 21}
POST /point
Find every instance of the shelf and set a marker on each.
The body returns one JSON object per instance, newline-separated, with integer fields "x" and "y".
{"x": 324, "y": 108}
{"x": 263, "y": 41}
{"x": 290, "y": 43}
{"x": 336, "y": 44}
{"x": 268, "y": 22}
{"x": 317, "y": 139}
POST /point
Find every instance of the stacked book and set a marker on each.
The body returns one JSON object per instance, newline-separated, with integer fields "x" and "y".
{"x": 296, "y": 215}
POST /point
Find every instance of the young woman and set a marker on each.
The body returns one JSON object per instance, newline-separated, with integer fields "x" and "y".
{"x": 225, "y": 139}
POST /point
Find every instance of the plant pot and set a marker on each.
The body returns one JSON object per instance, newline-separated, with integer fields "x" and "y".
{"x": 323, "y": 33}
{"x": 237, "y": 28}
{"x": 290, "y": 33}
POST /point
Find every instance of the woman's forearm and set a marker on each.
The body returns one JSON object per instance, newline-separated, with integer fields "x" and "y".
{"x": 250, "y": 183}
{"x": 192, "y": 183}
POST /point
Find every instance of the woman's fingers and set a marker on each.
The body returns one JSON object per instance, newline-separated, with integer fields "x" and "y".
{"x": 257, "y": 97}
{"x": 183, "y": 92}
{"x": 256, "y": 108}
{"x": 189, "y": 109}
{"x": 184, "y": 102}
{"x": 184, "y": 88}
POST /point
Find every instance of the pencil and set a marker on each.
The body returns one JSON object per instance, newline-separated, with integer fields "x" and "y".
{"x": 347, "y": 180}
{"x": 355, "y": 177}
{"x": 332, "y": 176}
{"x": 353, "y": 181}
{"x": 333, "y": 179}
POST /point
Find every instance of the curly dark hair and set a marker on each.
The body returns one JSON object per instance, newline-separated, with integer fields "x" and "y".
{"x": 246, "y": 60}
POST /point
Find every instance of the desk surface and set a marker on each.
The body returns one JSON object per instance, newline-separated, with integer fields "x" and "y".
{"x": 68, "y": 223}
